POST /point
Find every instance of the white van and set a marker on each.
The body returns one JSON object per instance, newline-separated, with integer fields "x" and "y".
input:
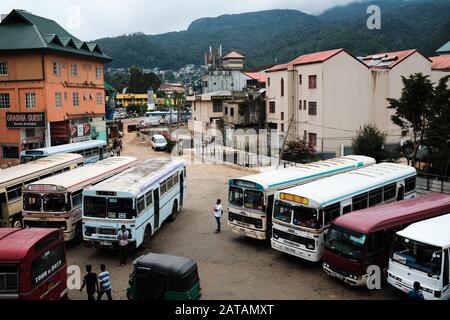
{"x": 421, "y": 253}
{"x": 158, "y": 142}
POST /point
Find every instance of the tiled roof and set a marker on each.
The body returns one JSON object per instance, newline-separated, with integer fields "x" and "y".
{"x": 21, "y": 30}
{"x": 260, "y": 77}
{"x": 315, "y": 57}
{"x": 233, "y": 55}
{"x": 386, "y": 60}
{"x": 444, "y": 49}
{"x": 441, "y": 62}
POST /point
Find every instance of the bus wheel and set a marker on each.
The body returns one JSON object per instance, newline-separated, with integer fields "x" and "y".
{"x": 147, "y": 237}
{"x": 17, "y": 223}
{"x": 174, "y": 214}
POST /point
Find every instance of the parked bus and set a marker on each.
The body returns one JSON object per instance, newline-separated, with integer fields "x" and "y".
{"x": 141, "y": 198}
{"x": 32, "y": 264}
{"x": 55, "y": 202}
{"x": 251, "y": 198}
{"x": 361, "y": 239}
{"x": 303, "y": 214}
{"x": 92, "y": 151}
{"x": 13, "y": 179}
{"x": 421, "y": 253}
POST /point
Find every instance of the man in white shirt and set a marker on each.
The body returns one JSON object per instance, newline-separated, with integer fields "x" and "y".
{"x": 218, "y": 211}
{"x": 123, "y": 236}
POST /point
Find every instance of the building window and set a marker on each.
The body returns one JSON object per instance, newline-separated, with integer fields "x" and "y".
{"x": 226, "y": 110}
{"x": 205, "y": 84}
{"x": 30, "y": 100}
{"x": 56, "y": 68}
{"x": 300, "y": 79}
{"x": 75, "y": 99}
{"x": 271, "y": 107}
{"x": 4, "y": 101}
{"x": 74, "y": 70}
{"x": 217, "y": 106}
{"x": 300, "y": 104}
{"x": 3, "y": 68}
{"x": 313, "y": 82}
{"x": 10, "y": 152}
{"x": 282, "y": 127}
{"x": 58, "y": 99}
{"x": 312, "y": 111}
{"x": 282, "y": 87}
{"x": 98, "y": 72}
{"x": 29, "y": 132}
{"x": 304, "y": 104}
{"x": 268, "y": 81}
{"x": 232, "y": 112}
{"x": 99, "y": 98}
{"x": 312, "y": 139}
{"x": 65, "y": 95}
{"x": 282, "y": 116}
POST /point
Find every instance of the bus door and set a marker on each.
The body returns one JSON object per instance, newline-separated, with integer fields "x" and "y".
{"x": 269, "y": 212}
{"x": 156, "y": 208}
{"x": 346, "y": 206}
{"x": 181, "y": 188}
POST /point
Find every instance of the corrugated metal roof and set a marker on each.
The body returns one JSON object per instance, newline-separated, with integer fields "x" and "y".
{"x": 441, "y": 62}
{"x": 444, "y": 49}
{"x": 22, "y": 30}
{"x": 387, "y": 60}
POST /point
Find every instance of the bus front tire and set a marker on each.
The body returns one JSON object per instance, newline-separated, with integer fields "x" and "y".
{"x": 174, "y": 214}
{"x": 17, "y": 223}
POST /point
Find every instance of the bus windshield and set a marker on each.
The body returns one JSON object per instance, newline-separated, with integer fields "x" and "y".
{"x": 282, "y": 212}
{"x": 345, "y": 242}
{"x": 54, "y": 202}
{"x": 306, "y": 217}
{"x": 108, "y": 208}
{"x": 253, "y": 199}
{"x": 9, "y": 278}
{"x": 32, "y": 202}
{"x": 236, "y": 196}
{"x": 418, "y": 256}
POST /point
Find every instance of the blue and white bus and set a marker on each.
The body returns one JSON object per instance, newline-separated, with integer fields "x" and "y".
{"x": 91, "y": 150}
{"x": 142, "y": 198}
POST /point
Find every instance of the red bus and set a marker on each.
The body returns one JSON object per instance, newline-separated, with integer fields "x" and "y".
{"x": 32, "y": 264}
{"x": 363, "y": 238}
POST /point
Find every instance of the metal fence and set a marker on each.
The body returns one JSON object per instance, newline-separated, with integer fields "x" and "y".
{"x": 433, "y": 183}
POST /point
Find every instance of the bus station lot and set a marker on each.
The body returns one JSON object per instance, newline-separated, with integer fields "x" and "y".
{"x": 230, "y": 266}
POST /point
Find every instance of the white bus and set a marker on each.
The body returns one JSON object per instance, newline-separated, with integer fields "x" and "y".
{"x": 421, "y": 253}
{"x": 55, "y": 202}
{"x": 92, "y": 151}
{"x": 251, "y": 198}
{"x": 13, "y": 179}
{"x": 303, "y": 214}
{"x": 141, "y": 198}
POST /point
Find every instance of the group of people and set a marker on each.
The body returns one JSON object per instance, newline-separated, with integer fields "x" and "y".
{"x": 116, "y": 149}
{"x": 97, "y": 284}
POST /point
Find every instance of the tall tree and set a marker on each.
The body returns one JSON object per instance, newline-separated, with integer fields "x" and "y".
{"x": 369, "y": 141}
{"x": 140, "y": 82}
{"x": 414, "y": 109}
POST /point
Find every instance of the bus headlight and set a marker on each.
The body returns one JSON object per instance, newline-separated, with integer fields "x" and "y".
{"x": 310, "y": 246}
{"x": 275, "y": 236}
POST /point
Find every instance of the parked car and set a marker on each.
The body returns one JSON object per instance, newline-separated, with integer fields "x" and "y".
{"x": 164, "y": 277}
{"x": 158, "y": 142}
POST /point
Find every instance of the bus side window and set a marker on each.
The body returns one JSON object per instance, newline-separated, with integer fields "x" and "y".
{"x": 375, "y": 197}
{"x": 140, "y": 204}
{"x": 410, "y": 185}
{"x": 2, "y": 197}
{"x": 360, "y": 202}
{"x": 76, "y": 198}
{"x": 446, "y": 268}
{"x": 14, "y": 192}
{"x": 66, "y": 169}
{"x": 347, "y": 209}
{"x": 331, "y": 213}
{"x": 45, "y": 176}
{"x": 389, "y": 192}
{"x": 149, "y": 198}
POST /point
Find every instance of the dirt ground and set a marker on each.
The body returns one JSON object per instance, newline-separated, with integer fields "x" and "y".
{"x": 230, "y": 266}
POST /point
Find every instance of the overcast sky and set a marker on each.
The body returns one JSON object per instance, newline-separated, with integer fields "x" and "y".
{"x": 93, "y": 19}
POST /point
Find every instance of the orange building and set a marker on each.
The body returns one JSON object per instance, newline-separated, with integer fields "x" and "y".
{"x": 51, "y": 86}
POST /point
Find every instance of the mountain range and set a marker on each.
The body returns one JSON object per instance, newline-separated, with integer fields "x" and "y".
{"x": 276, "y": 36}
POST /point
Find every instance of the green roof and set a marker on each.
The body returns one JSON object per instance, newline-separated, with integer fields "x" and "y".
{"x": 109, "y": 87}
{"x": 444, "y": 49}
{"x": 21, "y": 30}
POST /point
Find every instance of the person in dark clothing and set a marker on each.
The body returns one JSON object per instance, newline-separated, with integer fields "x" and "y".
{"x": 415, "y": 294}
{"x": 90, "y": 280}
{"x": 123, "y": 236}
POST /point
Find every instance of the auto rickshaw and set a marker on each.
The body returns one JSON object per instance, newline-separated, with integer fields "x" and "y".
{"x": 164, "y": 277}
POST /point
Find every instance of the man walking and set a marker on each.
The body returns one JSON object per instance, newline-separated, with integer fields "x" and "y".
{"x": 91, "y": 282}
{"x": 105, "y": 284}
{"x": 123, "y": 236}
{"x": 218, "y": 213}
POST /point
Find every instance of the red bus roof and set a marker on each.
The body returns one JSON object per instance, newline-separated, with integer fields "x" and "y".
{"x": 15, "y": 243}
{"x": 391, "y": 215}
